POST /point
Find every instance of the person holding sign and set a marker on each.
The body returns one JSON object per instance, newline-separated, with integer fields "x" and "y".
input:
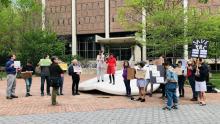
{"x": 170, "y": 87}
{"x": 141, "y": 81}
{"x": 111, "y": 61}
{"x": 200, "y": 79}
{"x": 181, "y": 78}
{"x": 75, "y": 70}
{"x": 11, "y": 77}
{"x": 100, "y": 60}
{"x": 55, "y": 78}
{"x": 27, "y": 72}
{"x": 126, "y": 80}
{"x": 45, "y": 74}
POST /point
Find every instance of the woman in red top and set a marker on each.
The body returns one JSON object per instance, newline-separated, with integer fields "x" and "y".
{"x": 111, "y": 62}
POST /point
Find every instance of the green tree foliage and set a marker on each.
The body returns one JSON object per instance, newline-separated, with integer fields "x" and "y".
{"x": 168, "y": 26}
{"x": 36, "y": 44}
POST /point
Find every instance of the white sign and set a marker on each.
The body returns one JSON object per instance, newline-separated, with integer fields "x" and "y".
{"x": 152, "y": 67}
{"x": 77, "y": 69}
{"x": 17, "y": 64}
{"x": 155, "y": 73}
{"x": 160, "y": 80}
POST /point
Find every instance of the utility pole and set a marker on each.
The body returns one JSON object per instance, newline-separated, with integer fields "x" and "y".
{"x": 185, "y": 5}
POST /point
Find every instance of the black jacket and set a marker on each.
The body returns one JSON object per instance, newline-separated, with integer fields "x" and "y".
{"x": 72, "y": 73}
{"x": 28, "y": 68}
{"x": 55, "y": 70}
{"x": 203, "y": 72}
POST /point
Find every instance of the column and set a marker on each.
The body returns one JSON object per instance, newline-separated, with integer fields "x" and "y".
{"x": 144, "y": 34}
{"x": 74, "y": 38}
{"x": 185, "y": 48}
{"x": 107, "y": 16}
{"x": 43, "y": 13}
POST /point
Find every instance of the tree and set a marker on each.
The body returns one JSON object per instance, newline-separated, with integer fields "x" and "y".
{"x": 164, "y": 25}
{"x": 36, "y": 44}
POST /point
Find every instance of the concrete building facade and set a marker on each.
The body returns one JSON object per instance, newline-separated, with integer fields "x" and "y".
{"x": 90, "y": 25}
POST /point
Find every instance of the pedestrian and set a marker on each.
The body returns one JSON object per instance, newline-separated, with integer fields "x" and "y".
{"x": 55, "y": 78}
{"x": 100, "y": 61}
{"x": 45, "y": 75}
{"x": 11, "y": 77}
{"x": 181, "y": 78}
{"x": 170, "y": 87}
{"x": 111, "y": 62}
{"x": 74, "y": 70}
{"x": 201, "y": 73}
{"x": 126, "y": 81}
{"x": 191, "y": 79}
{"x": 141, "y": 82}
{"x": 28, "y": 80}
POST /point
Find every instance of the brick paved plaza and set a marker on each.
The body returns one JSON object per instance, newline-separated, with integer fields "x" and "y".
{"x": 100, "y": 108}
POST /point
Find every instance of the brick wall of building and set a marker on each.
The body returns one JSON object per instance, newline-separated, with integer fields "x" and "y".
{"x": 59, "y": 16}
{"x": 90, "y": 16}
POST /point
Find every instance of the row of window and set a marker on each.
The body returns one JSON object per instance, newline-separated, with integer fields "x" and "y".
{"x": 90, "y": 20}
{"x": 90, "y": 6}
{"x": 59, "y": 22}
{"x": 59, "y": 9}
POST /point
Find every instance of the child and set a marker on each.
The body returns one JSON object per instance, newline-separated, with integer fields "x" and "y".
{"x": 126, "y": 81}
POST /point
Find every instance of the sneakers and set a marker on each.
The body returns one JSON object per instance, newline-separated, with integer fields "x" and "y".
{"x": 42, "y": 94}
{"x": 77, "y": 93}
{"x": 166, "y": 108}
{"x": 142, "y": 100}
{"x": 48, "y": 94}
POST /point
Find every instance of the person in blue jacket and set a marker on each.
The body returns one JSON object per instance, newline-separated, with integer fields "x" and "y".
{"x": 11, "y": 78}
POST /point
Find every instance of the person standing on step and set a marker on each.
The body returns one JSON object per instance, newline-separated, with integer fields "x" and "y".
{"x": 100, "y": 60}
{"x": 75, "y": 70}
{"x": 28, "y": 68}
{"x": 111, "y": 63}
{"x": 55, "y": 78}
{"x": 126, "y": 81}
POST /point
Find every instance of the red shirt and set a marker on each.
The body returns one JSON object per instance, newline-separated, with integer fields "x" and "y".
{"x": 111, "y": 61}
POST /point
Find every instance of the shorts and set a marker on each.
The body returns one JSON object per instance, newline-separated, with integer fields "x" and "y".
{"x": 200, "y": 86}
{"x": 141, "y": 83}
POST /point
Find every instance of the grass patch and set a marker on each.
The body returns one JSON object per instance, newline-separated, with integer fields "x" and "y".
{"x": 215, "y": 80}
{"x": 3, "y": 75}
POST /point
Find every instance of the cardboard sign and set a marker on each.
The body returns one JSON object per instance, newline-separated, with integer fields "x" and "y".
{"x": 45, "y": 62}
{"x": 200, "y": 48}
{"x": 140, "y": 74}
{"x": 27, "y": 74}
{"x": 17, "y": 64}
{"x": 63, "y": 66}
{"x": 130, "y": 73}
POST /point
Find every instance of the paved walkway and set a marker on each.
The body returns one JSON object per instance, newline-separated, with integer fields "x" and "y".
{"x": 186, "y": 114}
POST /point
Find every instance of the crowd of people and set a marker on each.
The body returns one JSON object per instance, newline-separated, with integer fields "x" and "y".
{"x": 195, "y": 71}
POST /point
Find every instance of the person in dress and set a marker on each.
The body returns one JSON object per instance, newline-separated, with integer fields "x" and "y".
{"x": 111, "y": 63}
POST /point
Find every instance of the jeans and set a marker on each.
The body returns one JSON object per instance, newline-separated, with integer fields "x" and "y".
{"x": 128, "y": 87}
{"x": 43, "y": 78}
{"x": 181, "y": 81}
{"x": 54, "y": 95}
{"x": 28, "y": 82}
{"x": 61, "y": 86}
{"x": 100, "y": 73}
{"x": 192, "y": 84}
{"x": 11, "y": 85}
{"x": 75, "y": 85}
{"x": 171, "y": 94}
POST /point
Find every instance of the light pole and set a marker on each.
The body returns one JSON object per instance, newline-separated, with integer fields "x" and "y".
{"x": 43, "y": 14}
